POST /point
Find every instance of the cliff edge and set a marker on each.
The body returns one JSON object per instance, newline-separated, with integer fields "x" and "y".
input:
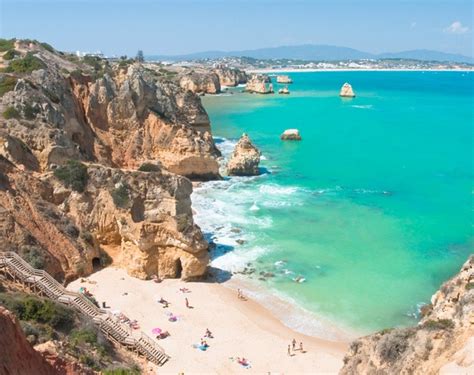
{"x": 441, "y": 343}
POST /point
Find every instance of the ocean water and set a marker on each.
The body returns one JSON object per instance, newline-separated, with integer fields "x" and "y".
{"x": 362, "y": 220}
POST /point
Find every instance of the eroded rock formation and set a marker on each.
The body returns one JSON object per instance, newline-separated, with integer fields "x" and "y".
{"x": 346, "y": 91}
{"x": 260, "y": 84}
{"x": 291, "y": 135}
{"x": 115, "y": 119}
{"x": 230, "y": 76}
{"x": 441, "y": 343}
{"x": 284, "y": 79}
{"x": 245, "y": 158}
{"x": 200, "y": 82}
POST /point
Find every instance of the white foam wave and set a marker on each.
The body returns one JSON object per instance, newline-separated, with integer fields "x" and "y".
{"x": 274, "y": 189}
{"x": 367, "y": 106}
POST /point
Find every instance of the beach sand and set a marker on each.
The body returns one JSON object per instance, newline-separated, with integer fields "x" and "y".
{"x": 240, "y": 328}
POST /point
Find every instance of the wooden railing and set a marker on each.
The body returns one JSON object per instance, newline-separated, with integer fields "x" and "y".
{"x": 41, "y": 282}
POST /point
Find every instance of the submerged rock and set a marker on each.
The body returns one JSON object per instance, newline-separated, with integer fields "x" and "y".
{"x": 346, "y": 91}
{"x": 291, "y": 135}
{"x": 245, "y": 158}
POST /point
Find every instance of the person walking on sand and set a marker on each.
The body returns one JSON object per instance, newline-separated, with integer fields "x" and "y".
{"x": 293, "y": 344}
{"x": 289, "y": 350}
{"x": 301, "y": 347}
{"x": 187, "y": 302}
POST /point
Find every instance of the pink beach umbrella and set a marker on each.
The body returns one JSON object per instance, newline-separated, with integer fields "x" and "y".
{"x": 156, "y": 331}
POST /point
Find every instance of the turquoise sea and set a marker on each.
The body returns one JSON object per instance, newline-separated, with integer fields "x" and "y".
{"x": 373, "y": 208}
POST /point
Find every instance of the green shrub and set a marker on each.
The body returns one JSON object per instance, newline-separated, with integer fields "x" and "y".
{"x": 6, "y": 44}
{"x": 134, "y": 370}
{"x": 73, "y": 175}
{"x": 7, "y": 83}
{"x": 83, "y": 336}
{"x": 10, "y": 113}
{"x": 120, "y": 196}
{"x": 93, "y": 61}
{"x": 10, "y": 54}
{"x": 27, "y": 64}
{"x": 439, "y": 324}
{"x": 51, "y": 95}
{"x": 47, "y": 47}
{"x": 33, "y": 256}
{"x": 38, "y": 310}
{"x": 469, "y": 286}
{"x": 30, "y": 112}
{"x": 149, "y": 167}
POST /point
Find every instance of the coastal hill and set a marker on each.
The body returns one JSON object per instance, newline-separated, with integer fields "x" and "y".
{"x": 94, "y": 164}
{"x": 310, "y": 52}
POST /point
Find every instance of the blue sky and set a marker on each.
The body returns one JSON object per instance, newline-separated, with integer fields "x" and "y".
{"x": 183, "y": 26}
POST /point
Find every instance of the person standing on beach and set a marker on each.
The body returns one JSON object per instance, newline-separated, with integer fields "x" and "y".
{"x": 187, "y": 302}
{"x": 289, "y": 350}
{"x": 301, "y": 347}
{"x": 293, "y": 344}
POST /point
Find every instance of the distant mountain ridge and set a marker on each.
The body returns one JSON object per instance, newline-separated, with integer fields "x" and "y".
{"x": 312, "y": 52}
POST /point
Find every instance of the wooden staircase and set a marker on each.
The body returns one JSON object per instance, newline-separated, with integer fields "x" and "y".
{"x": 42, "y": 283}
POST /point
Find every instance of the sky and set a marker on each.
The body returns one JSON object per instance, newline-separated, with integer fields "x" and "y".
{"x": 118, "y": 27}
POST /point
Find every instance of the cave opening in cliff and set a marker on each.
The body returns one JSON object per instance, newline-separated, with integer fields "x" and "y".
{"x": 178, "y": 268}
{"x": 96, "y": 264}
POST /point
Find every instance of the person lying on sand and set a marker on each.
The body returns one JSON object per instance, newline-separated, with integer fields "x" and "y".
{"x": 184, "y": 290}
{"x": 208, "y": 334}
{"x": 164, "y": 302}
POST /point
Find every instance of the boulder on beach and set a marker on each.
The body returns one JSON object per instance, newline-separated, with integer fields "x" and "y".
{"x": 245, "y": 158}
{"x": 346, "y": 91}
{"x": 291, "y": 135}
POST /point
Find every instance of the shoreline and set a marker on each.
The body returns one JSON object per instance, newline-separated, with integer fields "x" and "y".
{"x": 345, "y": 70}
{"x": 240, "y": 328}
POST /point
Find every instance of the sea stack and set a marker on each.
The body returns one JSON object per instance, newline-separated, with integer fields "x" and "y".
{"x": 291, "y": 135}
{"x": 284, "y": 79}
{"x": 258, "y": 84}
{"x": 346, "y": 91}
{"x": 245, "y": 158}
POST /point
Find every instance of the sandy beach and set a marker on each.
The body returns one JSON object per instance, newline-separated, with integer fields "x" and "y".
{"x": 241, "y": 328}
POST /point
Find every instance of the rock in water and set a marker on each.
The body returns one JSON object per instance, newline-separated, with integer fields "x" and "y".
{"x": 291, "y": 135}
{"x": 346, "y": 91}
{"x": 258, "y": 84}
{"x": 245, "y": 158}
{"x": 284, "y": 79}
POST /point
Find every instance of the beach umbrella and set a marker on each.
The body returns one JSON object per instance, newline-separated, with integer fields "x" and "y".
{"x": 156, "y": 331}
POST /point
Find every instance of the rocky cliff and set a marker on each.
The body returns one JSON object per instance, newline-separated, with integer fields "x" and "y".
{"x": 200, "y": 82}
{"x": 245, "y": 158}
{"x": 346, "y": 91}
{"x": 17, "y": 356}
{"x": 134, "y": 133}
{"x": 230, "y": 76}
{"x": 441, "y": 343}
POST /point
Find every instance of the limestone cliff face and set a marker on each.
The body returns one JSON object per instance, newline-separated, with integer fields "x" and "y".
{"x": 122, "y": 119}
{"x": 231, "y": 76}
{"x": 114, "y": 119}
{"x": 17, "y": 356}
{"x": 245, "y": 158}
{"x": 259, "y": 84}
{"x": 143, "y": 220}
{"x": 442, "y": 341}
{"x": 201, "y": 82}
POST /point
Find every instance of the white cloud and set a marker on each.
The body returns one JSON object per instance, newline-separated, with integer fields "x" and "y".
{"x": 456, "y": 28}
